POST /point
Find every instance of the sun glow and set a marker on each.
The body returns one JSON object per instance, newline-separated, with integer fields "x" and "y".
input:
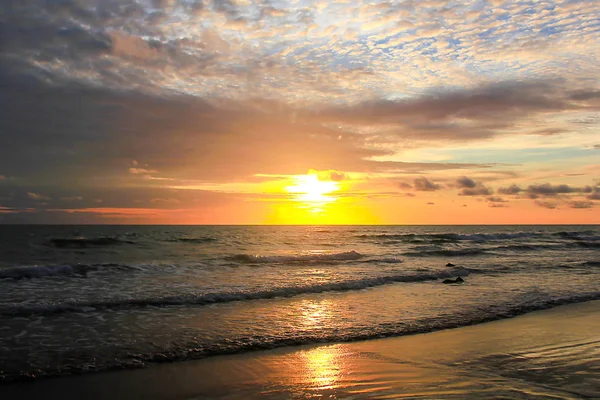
{"x": 310, "y": 189}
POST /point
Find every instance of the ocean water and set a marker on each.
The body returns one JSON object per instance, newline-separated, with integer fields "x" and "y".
{"x": 77, "y": 299}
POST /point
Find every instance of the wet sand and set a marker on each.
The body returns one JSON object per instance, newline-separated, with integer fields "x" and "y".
{"x": 551, "y": 354}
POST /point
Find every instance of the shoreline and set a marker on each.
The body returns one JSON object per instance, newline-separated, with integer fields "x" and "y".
{"x": 548, "y": 353}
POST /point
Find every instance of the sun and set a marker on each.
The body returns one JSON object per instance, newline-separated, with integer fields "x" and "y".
{"x": 310, "y": 189}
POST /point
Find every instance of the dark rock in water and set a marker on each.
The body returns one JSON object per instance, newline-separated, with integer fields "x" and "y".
{"x": 457, "y": 280}
{"x": 450, "y": 265}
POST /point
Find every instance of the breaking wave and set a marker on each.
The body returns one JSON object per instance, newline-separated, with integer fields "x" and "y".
{"x": 227, "y": 297}
{"x": 187, "y": 350}
{"x": 45, "y": 271}
{"x": 481, "y": 237}
{"x": 297, "y": 258}
{"x": 87, "y": 242}
{"x": 446, "y": 252}
{"x": 195, "y": 240}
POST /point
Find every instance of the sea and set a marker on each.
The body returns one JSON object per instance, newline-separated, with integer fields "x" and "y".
{"x": 82, "y": 299}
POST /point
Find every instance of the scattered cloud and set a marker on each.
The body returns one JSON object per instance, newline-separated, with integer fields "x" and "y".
{"x": 512, "y": 189}
{"x": 424, "y": 184}
{"x": 548, "y": 189}
{"x": 37, "y": 196}
{"x": 465, "y": 182}
{"x": 469, "y": 187}
{"x": 99, "y": 96}
{"x": 137, "y": 171}
{"x": 594, "y": 196}
{"x": 581, "y": 204}
{"x": 547, "y": 204}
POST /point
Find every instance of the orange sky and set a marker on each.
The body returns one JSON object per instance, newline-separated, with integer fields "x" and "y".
{"x": 311, "y": 112}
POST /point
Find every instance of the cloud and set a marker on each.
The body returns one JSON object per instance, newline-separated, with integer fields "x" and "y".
{"x": 424, "y": 184}
{"x": 547, "y": 204}
{"x": 479, "y": 190}
{"x": 465, "y": 182}
{"x": 496, "y": 199}
{"x": 512, "y": 189}
{"x": 581, "y": 204}
{"x": 180, "y": 136}
{"x": 469, "y": 187}
{"x": 549, "y": 190}
{"x": 37, "y": 196}
{"x": 218, "y": 92}
{"x": 330, "y": 175}
{"x": 137, "y": 171}
{"x": 546, "y": 190}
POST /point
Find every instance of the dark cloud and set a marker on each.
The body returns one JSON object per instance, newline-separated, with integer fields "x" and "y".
{"x": 581, "y": 204}
{"x": 82, "y": 132}
{"x": 477, "y": 113}
{"x": 583, "y": 95}
{"x": 550, "y": 190}
{"x": 479, "y": 190}
{"x": 67, "y": 139}
{"x": 546, "y": 190}
{"x": 55, "y": 202}
{"x": 512, "y": 189}
{"x": 469, "y": 187}
{"x": 496, "y": 199}
{"x": 424, "y": 184}
{"x": 465, "y": 182}
{"x": 547, "y": 204}
{"x": 404, "y": 185}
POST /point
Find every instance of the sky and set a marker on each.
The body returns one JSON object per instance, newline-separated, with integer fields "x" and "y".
{"x": 299, "y": 112}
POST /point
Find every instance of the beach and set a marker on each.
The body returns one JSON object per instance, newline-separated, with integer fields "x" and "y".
{"x": 549, "y": 354}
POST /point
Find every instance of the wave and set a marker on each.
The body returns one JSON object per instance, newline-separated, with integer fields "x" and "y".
{"x": 446, "y": 252}
{"x": 194, "y": 240}
{"x": 29, "y": 272}
{"x": 528, "y": 247}
{"x": 297, "y": 258}
{"x": 187, "y": 351}
{"x": 383, "y": 261}
{"x": 590, "y": 245}
{"x": 591, "y": 263}
{"x": 45, "y": 271}
{"x": 227, "y": 297}
{"x": 578, "y": 234}
{"x": 479, "y": 237}
{"x": 433, "y": 251}
{"x": 87, "y": 242}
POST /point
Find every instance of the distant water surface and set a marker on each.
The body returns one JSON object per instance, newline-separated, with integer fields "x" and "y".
{"x": 89, "y": 298}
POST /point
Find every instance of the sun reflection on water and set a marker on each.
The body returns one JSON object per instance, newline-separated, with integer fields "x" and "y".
{"x": 321, "y": 365}
{"x": 322, "y": 368}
